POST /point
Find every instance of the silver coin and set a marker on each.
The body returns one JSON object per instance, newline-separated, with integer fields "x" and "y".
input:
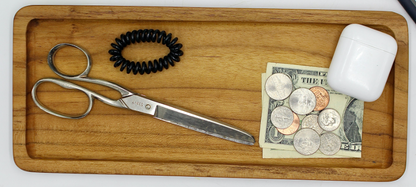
{"x": 329, "y": 119}
{"x": 311, "y": 122}
{"x": 330, "y": 143}
{"x": 278, "y": 86}
{"x": 281, "y": 117}
{"x": 306, "y": 141}
{"x": 302, "y": 101}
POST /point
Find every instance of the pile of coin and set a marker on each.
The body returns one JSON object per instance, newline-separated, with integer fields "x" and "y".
{"x": 314, "y": 131}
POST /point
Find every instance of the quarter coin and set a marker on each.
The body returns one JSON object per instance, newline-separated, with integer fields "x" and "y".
{"x": 293, "y": 127}
{"x": 329, "y": 119}
{"x": 322, "y": 97}
{"x": 306, "y": 141}
{"x": 302, "y": 101}
{"x": 330, "y": 144}
{"x": 311, "y": 122}
{"x": 282, "y": 117}
{"x": 278, "y": 86}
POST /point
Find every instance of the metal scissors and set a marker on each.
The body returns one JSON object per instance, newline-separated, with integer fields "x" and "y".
{"x": 133, "y": 101}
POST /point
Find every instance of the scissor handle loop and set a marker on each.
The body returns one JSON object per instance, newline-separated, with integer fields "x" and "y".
{"x": 81, "y": 77}
{"x": 67, "y": 85}
{"x": 51, "y": 64}
{"x": 84, "y": 75}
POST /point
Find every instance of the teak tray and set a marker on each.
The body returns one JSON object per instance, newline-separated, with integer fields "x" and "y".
{"x": 225, "y": 52}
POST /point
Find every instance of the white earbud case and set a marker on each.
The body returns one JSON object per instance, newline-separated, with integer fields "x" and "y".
{"x": 362, "y": 62}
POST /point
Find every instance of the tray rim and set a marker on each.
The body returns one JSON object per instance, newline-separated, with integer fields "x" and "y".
{"x": 399, "y": 28}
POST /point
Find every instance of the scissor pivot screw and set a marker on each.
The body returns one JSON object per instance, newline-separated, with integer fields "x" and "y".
{"x": 148, "y": 107}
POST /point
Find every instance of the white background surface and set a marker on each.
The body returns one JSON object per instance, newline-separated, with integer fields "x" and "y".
{"x": 10, "y": 175}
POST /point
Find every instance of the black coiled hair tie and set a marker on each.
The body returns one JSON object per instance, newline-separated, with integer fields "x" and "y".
{"x": 146, "y": 35}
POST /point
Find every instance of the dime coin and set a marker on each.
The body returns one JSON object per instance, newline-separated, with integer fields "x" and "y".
{"x": 292, "y": 128}
{"x": 329, "y": 119}
{"x": 306, "y": 141}
{"x": 282, "y": 117}
{"x": 322, "y": 97}
{"x": 330, "y": 143}
{"x": 302, "y": 101}
{"x": 278, "y": 86}
{"x": 311, "y": 122}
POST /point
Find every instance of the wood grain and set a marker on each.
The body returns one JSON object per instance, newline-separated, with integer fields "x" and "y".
{"x": 226, "y": 50}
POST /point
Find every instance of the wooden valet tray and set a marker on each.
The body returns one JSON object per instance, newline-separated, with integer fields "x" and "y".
{"x": 219, "y": 75}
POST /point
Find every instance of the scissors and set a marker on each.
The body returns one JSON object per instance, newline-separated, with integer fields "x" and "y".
{"x": 133, "y": 101}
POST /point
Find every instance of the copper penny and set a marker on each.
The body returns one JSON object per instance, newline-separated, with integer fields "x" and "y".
{"x": 322, "y": 97}
{"x": 293, "y": 127}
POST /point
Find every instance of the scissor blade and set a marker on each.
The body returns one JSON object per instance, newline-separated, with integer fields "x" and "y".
{"x": 203, "y": 124}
